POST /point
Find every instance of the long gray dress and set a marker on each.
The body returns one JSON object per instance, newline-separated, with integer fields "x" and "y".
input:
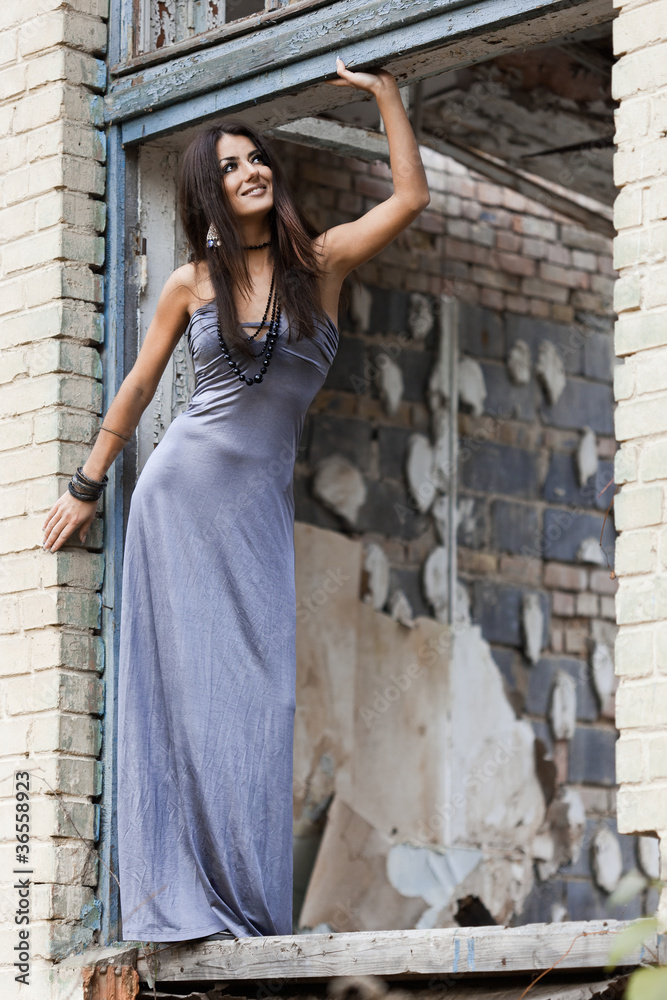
{"x": 207, "y": 662}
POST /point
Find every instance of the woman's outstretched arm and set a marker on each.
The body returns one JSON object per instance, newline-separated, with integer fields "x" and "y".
{"x": 135, "y": 393}
{"x": 352, "y": 243}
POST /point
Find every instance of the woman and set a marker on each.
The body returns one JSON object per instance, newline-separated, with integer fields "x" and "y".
{"x": 207, "y": 663}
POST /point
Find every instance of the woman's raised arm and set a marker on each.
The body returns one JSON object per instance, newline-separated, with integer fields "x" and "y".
{"x": 352, "y": 243}
{"x": 135, "y": 393}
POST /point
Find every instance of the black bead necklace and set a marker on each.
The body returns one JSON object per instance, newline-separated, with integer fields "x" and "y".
{"x": 259, "y": 246}
{"x": 271, "y": 337}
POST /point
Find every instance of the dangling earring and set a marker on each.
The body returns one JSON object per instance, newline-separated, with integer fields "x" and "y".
{"x": 213, "y": 237}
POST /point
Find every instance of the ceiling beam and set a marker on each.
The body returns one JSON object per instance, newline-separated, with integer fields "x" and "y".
{"x": 277, "y": 74}
{"x": 350, "y": 140}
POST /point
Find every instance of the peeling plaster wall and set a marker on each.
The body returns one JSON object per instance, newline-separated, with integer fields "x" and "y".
{"x": 536, "y": 449}
{"x": 420, "y": 798}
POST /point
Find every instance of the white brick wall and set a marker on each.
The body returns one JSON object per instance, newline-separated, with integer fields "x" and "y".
{"x": 52, "y": 218}
{"x": 639, "y": 82}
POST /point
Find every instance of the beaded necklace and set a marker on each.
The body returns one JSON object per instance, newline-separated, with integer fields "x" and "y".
{"x": 271, "y": 336}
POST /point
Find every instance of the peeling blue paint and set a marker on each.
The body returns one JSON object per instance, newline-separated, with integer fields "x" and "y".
{"x": 263, "y": 65}
{"x": 100, "y": 81}
{"x": 471, "y": 954}
{"x": 90, "y": 915}
{"x": 96, "y": 105}
{"x": 457, "y": 952}
{"x": 113, "y": 363}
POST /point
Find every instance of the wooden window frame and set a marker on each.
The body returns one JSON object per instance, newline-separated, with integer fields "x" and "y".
{"x": 155, "y": 96}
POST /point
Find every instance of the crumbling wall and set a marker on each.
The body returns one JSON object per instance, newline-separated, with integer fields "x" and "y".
{"x": 536, "y": 451}
{"x": 412, "y": 794}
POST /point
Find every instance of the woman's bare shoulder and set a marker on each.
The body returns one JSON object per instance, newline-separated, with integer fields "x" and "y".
{"x": 192, "y": 283}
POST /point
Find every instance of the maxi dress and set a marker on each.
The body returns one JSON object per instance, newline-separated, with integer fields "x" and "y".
{"x": 207, "y": 659}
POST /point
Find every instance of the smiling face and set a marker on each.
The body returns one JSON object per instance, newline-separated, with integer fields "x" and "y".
{"x": 247, "y": 179}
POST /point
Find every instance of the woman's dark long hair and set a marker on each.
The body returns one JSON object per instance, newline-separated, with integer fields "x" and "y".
{"x": 203, "y": 199}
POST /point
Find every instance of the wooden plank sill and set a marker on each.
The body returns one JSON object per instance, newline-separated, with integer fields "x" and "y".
{"x": 394, "y": 954}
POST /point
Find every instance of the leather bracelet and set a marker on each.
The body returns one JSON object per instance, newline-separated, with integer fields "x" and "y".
{"x": 91, "y": 482}
{"x": 80, "y": 496}
{"x": 84, "y": 488}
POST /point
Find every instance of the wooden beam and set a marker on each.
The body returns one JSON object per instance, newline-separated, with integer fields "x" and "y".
{"x": 395, "y": 954}
{"x": 278, "y": 74}
{"x": 344, "y": 140}
{"x": 350, "y": 140}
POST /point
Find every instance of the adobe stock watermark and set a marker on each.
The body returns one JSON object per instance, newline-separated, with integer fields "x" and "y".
{"x": 332, "y": 582}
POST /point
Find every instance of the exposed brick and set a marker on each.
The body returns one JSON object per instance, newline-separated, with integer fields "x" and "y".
{"x": 492, "y": 298}
{"x": 496, "y": 606}
{"x": 562, "y": 313}
{"x": 584, "y": 239}
{"x": 563, "y": 275}
{"x": 584, "y": 261}
{"x": 541, "y": 680}
{"x": 562, "y": 604}
{"x": 514, "y": 263}
{"x": 575, "y": 640}
{"x": 565, "y": 577}
{"x": 599, "y": 360}
{"x": 516, "y": 303}
{"x": 540, "y": 308}
{"x": 568, "y": 341}
{"x": 501, "y": 392}
{"x": 540, "y": 228}
{"x": 601, "y": 582}
{"x": 565, "y": 530}
{"x": 511, "y": 242}
{"x": 496, "y": 468}
{"x": 582, "y": 404}
{"x": 489, "y": 194}
{"x": 562, "y": 483}
{"x": 541, "y": 289}
{"x": 531, "y": 247}
{"x": 476, "y": 563}
{"x": 592, "y": 756}
{"x": 514, "y": 201}
{"x": 521, "y": 569}
{"x": 558, "y": 254}
{"x": 587, "y": 605}
{"x": 557, "y": 639}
